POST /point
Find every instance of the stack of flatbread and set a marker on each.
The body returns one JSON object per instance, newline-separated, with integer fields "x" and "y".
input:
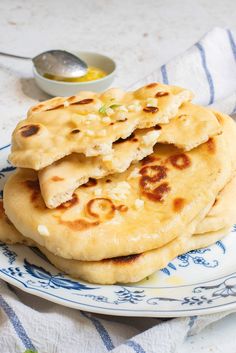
{"x": 113, "y": 186}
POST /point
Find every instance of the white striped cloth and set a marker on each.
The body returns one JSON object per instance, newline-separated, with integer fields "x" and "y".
{"x": 207, "y": 68}
{"x": 28, "y": 323}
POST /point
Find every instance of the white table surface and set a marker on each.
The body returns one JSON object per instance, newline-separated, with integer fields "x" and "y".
{"x": 139, "y": 34}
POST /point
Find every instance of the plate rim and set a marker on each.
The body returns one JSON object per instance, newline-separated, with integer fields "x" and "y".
{"x": 124, "y": 312}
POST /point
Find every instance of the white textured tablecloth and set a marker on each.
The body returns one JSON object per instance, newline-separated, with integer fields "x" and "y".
{"x": 29, "y": 323}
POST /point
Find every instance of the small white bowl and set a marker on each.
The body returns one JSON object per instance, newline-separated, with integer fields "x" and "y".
{"x": 64, "y": 89}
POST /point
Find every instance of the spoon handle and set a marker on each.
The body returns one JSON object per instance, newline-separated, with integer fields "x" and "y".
{"x": 16, "y": 56}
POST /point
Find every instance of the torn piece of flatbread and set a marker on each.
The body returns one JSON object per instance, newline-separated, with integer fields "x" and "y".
{"x": 90, "y": 122}
{"x": 59, "y": 180}
{"x": 192, "y": 126}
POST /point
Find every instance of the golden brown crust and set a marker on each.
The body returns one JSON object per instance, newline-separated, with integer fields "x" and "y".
{"x": 76, "y": 169}
{"x": 39, "y": 140}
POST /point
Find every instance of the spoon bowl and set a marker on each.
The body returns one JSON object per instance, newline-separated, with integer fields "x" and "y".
{"x": 60, "y": 63}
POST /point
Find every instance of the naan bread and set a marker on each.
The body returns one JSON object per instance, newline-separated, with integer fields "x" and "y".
{"x": 133, "y": 268}
{"x": 122, "y": 269}
{"x": 223, "y": 212}
{"x": 90, "y": 122}
{"x": 59, "y": 180}
{"x": 192, "y": 126}
{"x": 143, "y": 208}
{"x": 229, "y": 126}
{"x": 8, "y": 233}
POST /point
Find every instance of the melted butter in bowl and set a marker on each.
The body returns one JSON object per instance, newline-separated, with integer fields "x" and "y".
{"x": 93, "y": 73}
{"x": 100, "y": 76}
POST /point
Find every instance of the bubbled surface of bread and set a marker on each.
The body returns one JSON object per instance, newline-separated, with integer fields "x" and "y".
{"x": 192, "y": 126}
{"x": 61, "y": 126}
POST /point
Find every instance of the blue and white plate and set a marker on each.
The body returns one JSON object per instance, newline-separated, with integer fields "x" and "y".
{"x": 199, "y": 282}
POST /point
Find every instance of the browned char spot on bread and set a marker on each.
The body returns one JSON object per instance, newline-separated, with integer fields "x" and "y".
{"x": 91, "y": 182}
{"x": 152, "y": 85}
{"x": 34, "y": 187}
{"x": 77, "y": 224}
{"x": 56, "y": 178}
{"x": 211, "y": 146}
{"x": 161, "y": 94}
{"x": 153, "y": 173}
{"x": 102, "y": 208}
{"x": 123, "y": 260}
{"x": 150, "y": 110}
{"x": 149, "y": 159}
{"x": 70, "y": 203}
{"x": 83, "y": 101}
{"x": 29, "y": 130}
{"x": 159, "y": 193}
{"x": 75, "y": 131}
{"x": 180, "y": 161}
{"x": 215, "y": 202}
{"x": 122, "y": 208}
{"x": 178, "y": 204}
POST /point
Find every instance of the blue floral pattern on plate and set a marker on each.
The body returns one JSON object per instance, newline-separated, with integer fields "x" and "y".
{"x": 194, "y": 257}
{"x": 198, "y": 282}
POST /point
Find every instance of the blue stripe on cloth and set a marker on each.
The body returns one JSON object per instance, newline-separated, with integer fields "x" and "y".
{"x": 232, "y": 42}
{"x": 101, "y": 331}
{"x": 136, "y": 346}
{"x": 207, "y": 72}
{"x": 164, "y": 74}
{"x": 234, "y": 110}
{"x": 2, "y": 148}
{"x": 191, "y": 322}
{"x": 20, "y": 331}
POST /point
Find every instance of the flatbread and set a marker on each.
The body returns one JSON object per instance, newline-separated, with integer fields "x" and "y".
{"x": 125, "y": 269}
{"x": 133, "y": 268}
{"x": 223, "y": 212}
{"x": 221, "y": 215}
{"x": 192, "y": 126}
{"x": 229, "y": 126}
{"x": 8, "y": 233}
{"x": 59, "y": 180}
{"x": 124, "y": 214}
{"x": 89, "y": 122}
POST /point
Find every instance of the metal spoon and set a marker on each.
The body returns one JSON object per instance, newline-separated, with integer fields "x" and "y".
{"x": 57, "y": 63}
